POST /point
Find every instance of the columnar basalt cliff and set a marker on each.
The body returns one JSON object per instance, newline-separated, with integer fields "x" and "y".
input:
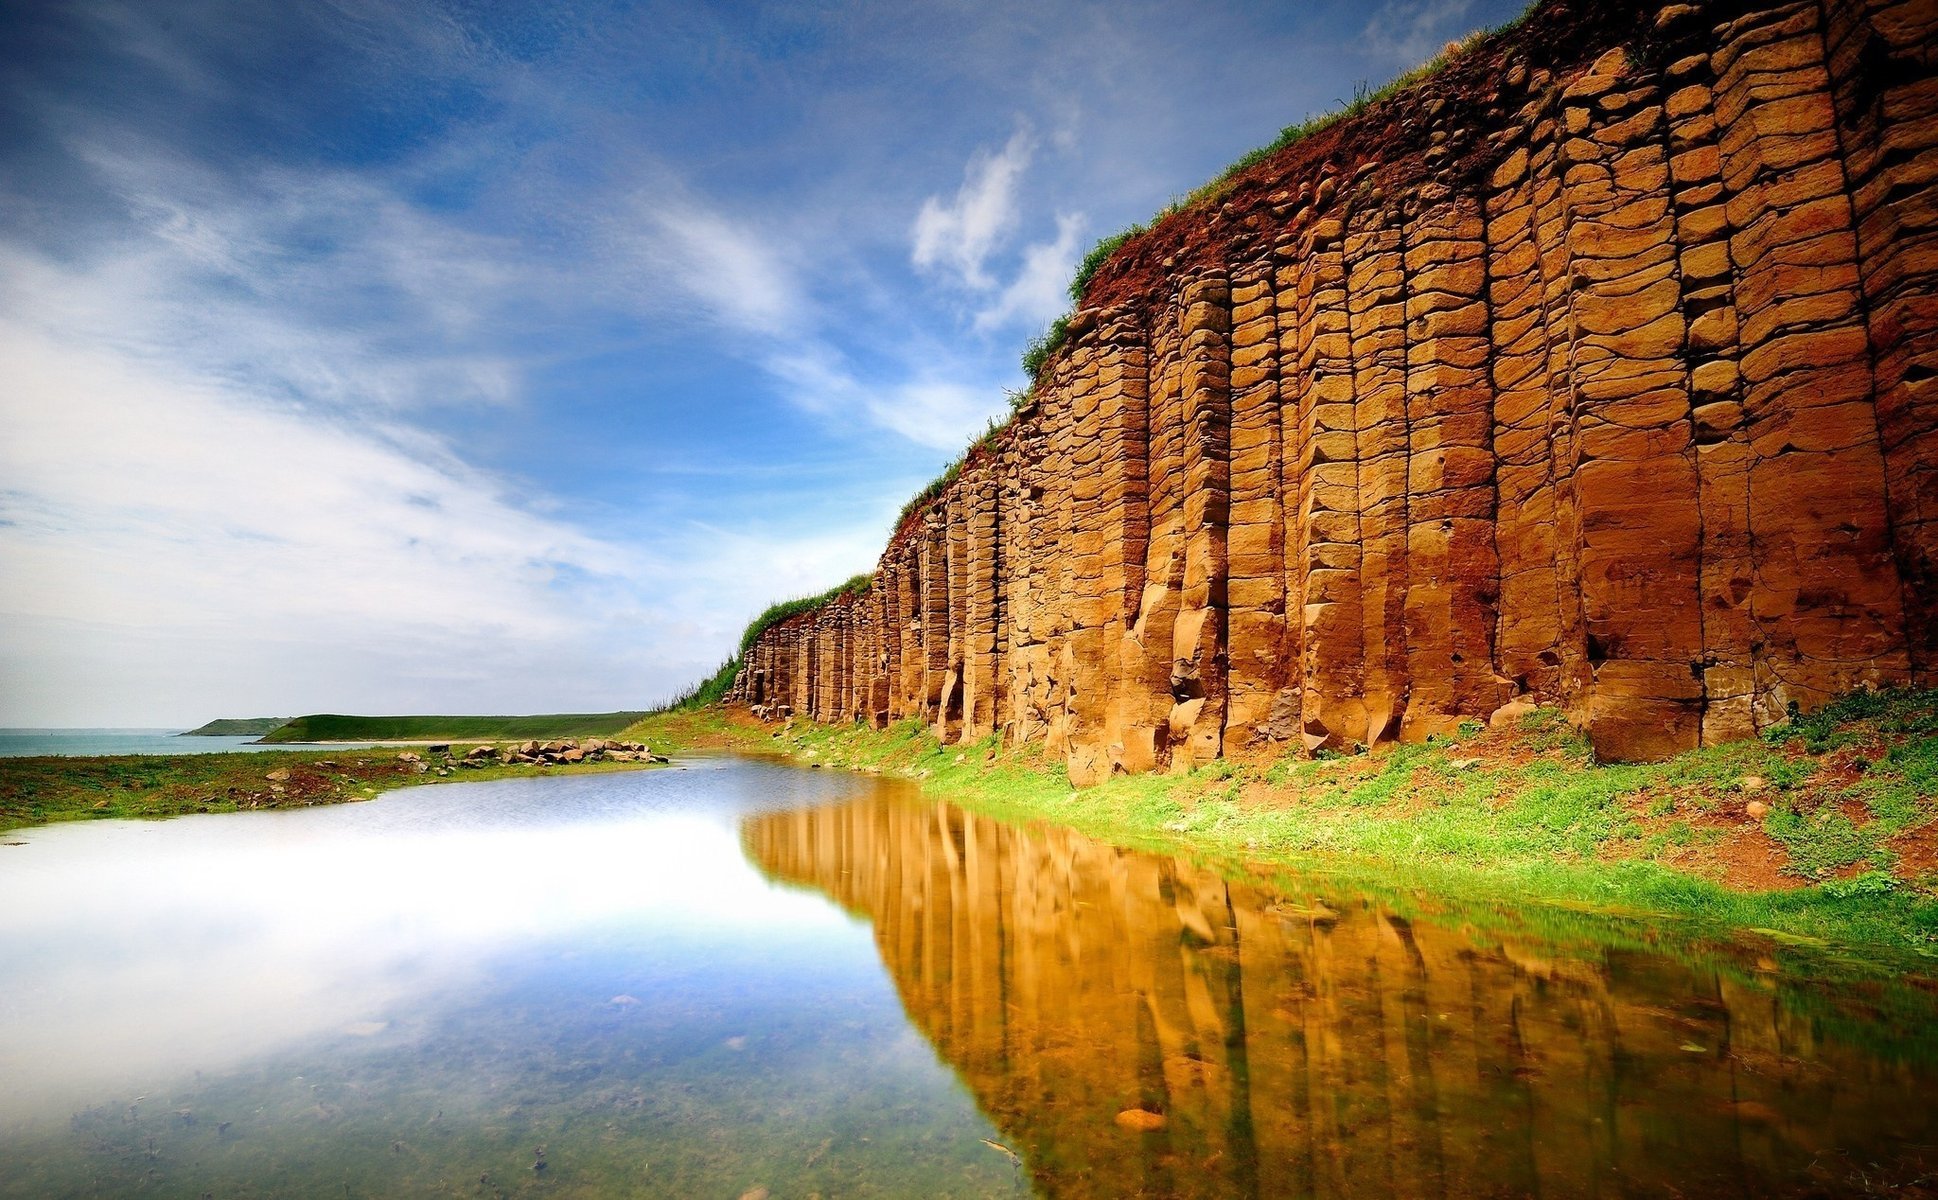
{"x": 1597, "y": 368}
{"x": 1325, "y": 1045}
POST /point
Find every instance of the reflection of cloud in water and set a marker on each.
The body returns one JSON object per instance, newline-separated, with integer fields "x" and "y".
{"x": 133, "y": 952}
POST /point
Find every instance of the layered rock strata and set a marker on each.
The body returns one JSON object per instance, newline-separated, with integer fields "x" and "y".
{"x": 1597, "y": 368}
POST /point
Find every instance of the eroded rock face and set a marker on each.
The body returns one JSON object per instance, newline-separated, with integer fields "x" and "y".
{"x": 1598, "y": 369}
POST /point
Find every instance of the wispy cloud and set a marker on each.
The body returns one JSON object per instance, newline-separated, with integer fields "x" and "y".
{"x": 738, "y": 275}
{"x": 1040, "y": 290}
{"x": 744, "y": 281}
{"x": 1409, "y": 32}
{"x": 958, "y": 235}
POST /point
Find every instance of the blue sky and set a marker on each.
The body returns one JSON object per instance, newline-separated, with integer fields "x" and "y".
{"x": 401, "y": 356}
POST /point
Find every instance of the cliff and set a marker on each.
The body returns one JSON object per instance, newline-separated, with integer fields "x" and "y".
{"x": 1327, "y": 1045}
{"x": 1596, "y": 368}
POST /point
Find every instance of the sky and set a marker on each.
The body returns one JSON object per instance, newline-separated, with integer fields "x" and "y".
{"x": 455, "y": 356}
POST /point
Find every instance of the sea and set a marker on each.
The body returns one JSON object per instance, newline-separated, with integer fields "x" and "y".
{"x": 20, "y": 743}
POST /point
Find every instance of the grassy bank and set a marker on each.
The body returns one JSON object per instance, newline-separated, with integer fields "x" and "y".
{"x": 35, "y": 791}
{"x": 334, "y": 727}
{"x": 1823, "y": 830}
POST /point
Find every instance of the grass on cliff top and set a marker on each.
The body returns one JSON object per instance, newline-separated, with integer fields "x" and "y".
{"x": 776, "y": 613}
{"x": 709, "y": 691}
{"x": 1845, "y": 847}
{"x": 37, "y": 791}
{"x": 333, "y": 727}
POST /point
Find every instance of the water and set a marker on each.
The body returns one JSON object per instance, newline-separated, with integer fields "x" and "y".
{"x": 744, "y": 976}
{"x": 21, "y": 743}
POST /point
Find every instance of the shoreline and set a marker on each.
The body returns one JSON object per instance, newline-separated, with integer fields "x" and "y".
{"x": 1505, "y": 815}
{"x": 54, "y": 789}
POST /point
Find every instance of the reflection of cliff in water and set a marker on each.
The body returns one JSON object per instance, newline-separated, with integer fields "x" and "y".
{"x": 1299, "y": 1045}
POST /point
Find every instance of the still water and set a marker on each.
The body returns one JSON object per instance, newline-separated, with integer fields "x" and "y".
{"x": 742, "y": 976}
{"x": 21, "y": 743}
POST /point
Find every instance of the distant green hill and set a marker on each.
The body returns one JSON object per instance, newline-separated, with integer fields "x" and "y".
{"x": 333, "y": 727}
{"x": 237, "y": 727}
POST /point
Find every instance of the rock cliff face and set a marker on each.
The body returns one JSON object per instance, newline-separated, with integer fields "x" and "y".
{"x": 1600, "y": 367}
{"x": 1325, "y": 1045}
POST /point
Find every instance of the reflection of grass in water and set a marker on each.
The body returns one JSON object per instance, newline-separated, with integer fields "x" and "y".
{"x": 1509, "y": 851}
{"x": 1471, "y": 815}
{"x": 697, "y": 1089}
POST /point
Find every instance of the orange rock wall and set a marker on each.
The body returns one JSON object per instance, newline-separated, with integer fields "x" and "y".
{"x": 1597, "y": 368}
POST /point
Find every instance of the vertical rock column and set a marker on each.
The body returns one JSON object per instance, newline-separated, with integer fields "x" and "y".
{"x": 981, "y": 668}
{"x": 1333, "y": 712}
{"x": 1256, "y": 545}
{"x": 1376, "y": 304}
{"x": 1026, "y": 584}
{"x": 1123, "y": 506}
{"x": 935, "y": 615}
{"x": 1641, "y": 525}
{"x": 908, "y": 598}
{"x": 1198, "y": 646}
{"x": 1527, "y": 538}
{"x": 1157, "y": 607}
{"x": 802, "y": 646}
{"x": 1884, "y": 69}
{"x": 1090, "y": 604}
{"x": 1723, "y": 454}
{"x": 888, "y": 592}
{"x": 955, "y": 556}
{"x": 1453, "y": 569}
{"x": 1826, "y": 599}
{"x": 1052, "y": 662}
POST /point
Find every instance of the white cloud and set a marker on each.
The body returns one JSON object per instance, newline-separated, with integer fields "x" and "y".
{"x": 277, "y": 282}
{"x": 739, "y": 276}
{"x": 177, "y": 544}
{"x": 1412, "y": 32}
{"x": 744, "y": 282}
{"x": 935, "y": 413}
{"x": 1040, "y": 291}
{"x": 960, "y": 235}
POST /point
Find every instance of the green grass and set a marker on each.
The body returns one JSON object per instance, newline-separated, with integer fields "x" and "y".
{"x": 1526, "y": 813}
{"x": 776, "y": 613}
{"x": 333, "y": 727}
{"x": 709, "y": 691}
{"x": 36, "y": 791}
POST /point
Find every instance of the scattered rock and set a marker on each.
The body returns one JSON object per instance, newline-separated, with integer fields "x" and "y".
{"x": 1143, "y": 1120}
{"x": 1508, "y": 715}
{"x": 279, "y": 775}
{"x": 1756, "y": 810}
